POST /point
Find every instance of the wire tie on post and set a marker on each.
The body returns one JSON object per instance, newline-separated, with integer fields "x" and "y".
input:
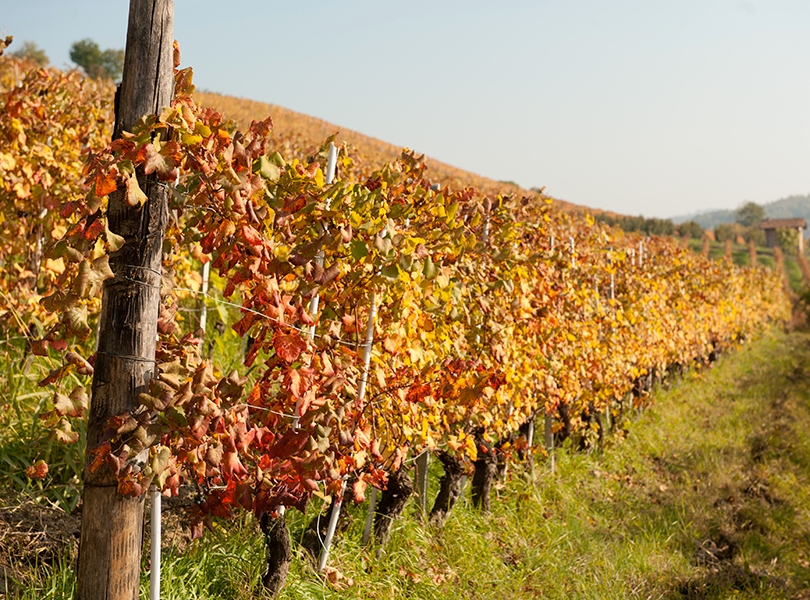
{"x": 127, "y": 356}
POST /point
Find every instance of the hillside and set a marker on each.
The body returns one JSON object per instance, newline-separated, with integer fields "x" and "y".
{"x": 300, "y": 135}
{"x": 786, "y": 208}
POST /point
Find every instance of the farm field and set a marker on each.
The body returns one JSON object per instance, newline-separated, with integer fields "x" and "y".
{"x": 301, "y": 320}
{"x": 740, "y": 256}
{"x": 703, "y": 495}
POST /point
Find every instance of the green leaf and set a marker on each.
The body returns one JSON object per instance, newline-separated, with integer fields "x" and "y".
{"x": 358, "y": 249}
{"x": 390, "y": 272}
{"x": 451, "y": 211}
{"x": 429, "y": 270}
{"x": 266, "y": 168}
{"x": 277, "y": 160}
{"x": 405, "y": 262}
{"x": 159, "y": 463}
{"x": 76, "y": 319}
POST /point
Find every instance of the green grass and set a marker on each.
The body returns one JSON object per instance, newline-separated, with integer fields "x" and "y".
{"x": 720, "y": 464}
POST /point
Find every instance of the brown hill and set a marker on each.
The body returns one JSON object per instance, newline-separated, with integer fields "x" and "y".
{"x": 299, "y": 136}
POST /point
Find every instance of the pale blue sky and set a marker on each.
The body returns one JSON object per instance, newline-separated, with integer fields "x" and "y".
{"x": 638, "y": 106}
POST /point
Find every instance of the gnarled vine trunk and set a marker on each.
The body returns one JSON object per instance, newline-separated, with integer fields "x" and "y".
{"x": 278, "y": 551}
{"x": 486, "y": 466}
{"x": 449, "y": 488}
{"x": 392, "y": 502}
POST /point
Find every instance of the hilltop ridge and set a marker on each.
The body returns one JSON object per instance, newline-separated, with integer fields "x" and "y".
{"x": 300, "y": 135}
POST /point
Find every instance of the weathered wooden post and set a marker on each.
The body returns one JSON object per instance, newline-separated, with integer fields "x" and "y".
{"x": 112, "y": 524}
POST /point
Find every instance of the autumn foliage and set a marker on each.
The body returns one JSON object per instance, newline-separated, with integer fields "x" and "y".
{"x": 487, "y": 309}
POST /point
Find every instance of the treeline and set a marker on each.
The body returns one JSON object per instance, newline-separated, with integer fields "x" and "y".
{"x": 650, "y": 226}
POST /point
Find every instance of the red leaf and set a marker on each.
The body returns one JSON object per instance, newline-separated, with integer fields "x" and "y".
{"x": 38, "y": 470}
{"x": 82, "y": 366}
{"x": 298, "y": 381}
{"x": 232, "y": 466}
{"x": 39, "y": 347}
{"x": 164, "y": 161}
{"x": 289, "y": 346}
{"x": 128, "y": 487}
{"x": 53, "y": 376}
{"x": 251, "y": 236}
{"x": 359, "y": 489}
{"x": 58, "y": 345}
{"x": 98, "y": 456}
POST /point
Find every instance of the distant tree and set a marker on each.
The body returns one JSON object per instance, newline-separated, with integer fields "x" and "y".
{"x": 692, "y": 229}
{"x": 750, "y": 214}
{"x": 98, "y": 64}
{"x": 31, "y": 51}
{"x": 755, "y": 235}
{"x": 724, "y": 231}
{"x": 653, "y": 226}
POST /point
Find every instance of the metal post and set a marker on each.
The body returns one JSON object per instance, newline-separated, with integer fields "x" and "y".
{"x": 361, "y": 394}
{"x": 422, "y": 463}
{"x": 330, "y": 532}
{"x": 206, "y": 276}
{"x": 573, "y": 259}
{"x": 372, "y": 314}
{"x": 319, "y": 258}
{"x": 154, "y": 573}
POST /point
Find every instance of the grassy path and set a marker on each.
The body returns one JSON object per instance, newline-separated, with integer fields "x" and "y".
{"x": 705, "y": 495}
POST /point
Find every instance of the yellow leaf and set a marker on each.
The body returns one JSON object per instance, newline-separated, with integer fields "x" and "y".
{"x": 472, "y": 451}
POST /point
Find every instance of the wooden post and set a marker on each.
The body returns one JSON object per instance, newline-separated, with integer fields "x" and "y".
{"x": 112, "y": 524}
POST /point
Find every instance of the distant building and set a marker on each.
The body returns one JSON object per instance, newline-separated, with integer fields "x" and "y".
{"x": 770, "y": 226}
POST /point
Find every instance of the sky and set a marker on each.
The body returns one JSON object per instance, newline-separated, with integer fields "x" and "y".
{"x": 653, "y": 107}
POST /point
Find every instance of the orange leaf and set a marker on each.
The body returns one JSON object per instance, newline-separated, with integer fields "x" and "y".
{"x": 106, "y": 183}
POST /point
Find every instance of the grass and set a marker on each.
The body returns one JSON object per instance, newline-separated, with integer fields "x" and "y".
{"x": 707, "y": 495}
